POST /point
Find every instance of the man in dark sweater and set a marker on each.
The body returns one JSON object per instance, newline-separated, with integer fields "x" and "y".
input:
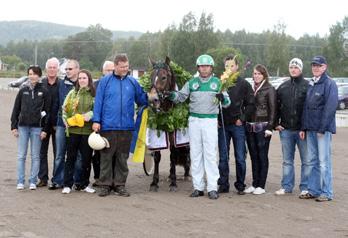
{"x": 234, "y": 116}
{"x": 50, "y": 82}
{"x": 291, "y": 96}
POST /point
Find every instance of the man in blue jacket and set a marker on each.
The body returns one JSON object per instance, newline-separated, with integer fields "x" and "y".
{"x": 319, "y": 123}
{"x": 114, "y": 117}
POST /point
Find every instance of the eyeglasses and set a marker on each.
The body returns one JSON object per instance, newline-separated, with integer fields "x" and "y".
{"x": 317, "y": 65}
{"x": 66, "y": 69}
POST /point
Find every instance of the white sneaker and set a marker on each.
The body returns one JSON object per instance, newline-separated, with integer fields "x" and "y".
{"x": 89, "y": 190}
{"x": 20, "y": 186}
{"x": 32, "y": 186}
{"x": 259, "y": 191}
{"x": 303, "y": 192}
{"x": 249, "y": 190}
{"x": 66, "y": 190}
{"x": 280, "y": 192}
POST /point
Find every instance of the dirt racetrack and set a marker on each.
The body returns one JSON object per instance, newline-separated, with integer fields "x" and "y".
{"x": 44, "y": 213}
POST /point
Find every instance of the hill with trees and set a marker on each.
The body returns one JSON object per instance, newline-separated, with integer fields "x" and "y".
{"x": 36, "y": 31}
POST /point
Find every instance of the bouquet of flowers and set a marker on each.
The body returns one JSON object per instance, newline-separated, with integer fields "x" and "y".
{"x": 228, "y": 79}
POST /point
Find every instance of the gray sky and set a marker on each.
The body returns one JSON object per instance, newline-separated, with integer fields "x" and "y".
{"x": 300, "y": 16}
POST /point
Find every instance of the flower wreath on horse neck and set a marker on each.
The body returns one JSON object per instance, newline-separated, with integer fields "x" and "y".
{"x": 177, "y": 116}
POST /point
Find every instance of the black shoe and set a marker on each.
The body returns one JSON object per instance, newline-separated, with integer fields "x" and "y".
{"x": 223, "y": 190}
{"x": 53, "y": 186}
{"x": 104, "y": 191}
{"x": 121, "y": 191}
{"x": 196, "y": 193}
{"x": 41, "y": 184}
{"x": 213, "y": 195}
{"x": 241, "y": 192}
{"x": 78, "y": 187}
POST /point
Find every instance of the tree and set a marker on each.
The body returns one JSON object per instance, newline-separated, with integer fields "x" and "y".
{"x": 93, "y": 45}
{"x": 13, "y": 61}
{"x": 278, "y": 51}
{"x": 338, "y": 63}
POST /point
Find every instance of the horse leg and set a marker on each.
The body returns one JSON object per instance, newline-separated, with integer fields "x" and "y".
{"x": 154, "y": 184}
{"x": 172, "y": 172}
{"x": 186, "y": 154}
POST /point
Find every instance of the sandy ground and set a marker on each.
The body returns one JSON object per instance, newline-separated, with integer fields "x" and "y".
{"x": 44, "y": 213}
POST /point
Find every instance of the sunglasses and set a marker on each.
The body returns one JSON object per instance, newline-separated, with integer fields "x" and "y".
{"x": 66, "y": 69}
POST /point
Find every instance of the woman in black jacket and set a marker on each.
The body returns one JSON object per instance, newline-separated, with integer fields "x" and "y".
{"x": 29, "y": 122}
{"x": 259, "y": 128}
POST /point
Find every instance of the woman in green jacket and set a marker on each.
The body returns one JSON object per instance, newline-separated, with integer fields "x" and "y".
{"x": 77, "y": 114}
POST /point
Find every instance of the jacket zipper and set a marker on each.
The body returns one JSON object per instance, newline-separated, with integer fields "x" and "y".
{"x": 121, "y": 100}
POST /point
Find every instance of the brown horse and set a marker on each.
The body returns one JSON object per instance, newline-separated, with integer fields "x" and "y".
{"x": 163, "y": 80}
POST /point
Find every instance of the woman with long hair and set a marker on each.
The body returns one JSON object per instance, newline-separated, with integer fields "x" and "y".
{"x": 259, "y": 128}
{"x": 77, "y": 114}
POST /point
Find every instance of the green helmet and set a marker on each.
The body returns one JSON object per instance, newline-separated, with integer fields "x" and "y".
{"x": 205, "y": 60}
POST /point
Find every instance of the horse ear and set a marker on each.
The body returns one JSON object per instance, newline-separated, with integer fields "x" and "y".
{"x": 151, "y": 61}
{"x": 167, "y": 60}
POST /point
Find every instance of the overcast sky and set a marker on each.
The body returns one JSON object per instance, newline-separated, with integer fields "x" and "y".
{"x": 300, "y": 16}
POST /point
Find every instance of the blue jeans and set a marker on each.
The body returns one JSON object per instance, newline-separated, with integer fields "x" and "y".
{"x": 319, "y": 156}
{"x": 25, "y": 134}
{"x": 58, "y": 166}
{"x": 237, "y": 134}
{"x": 289, "y": 140}
{"x": 59, "y": 161}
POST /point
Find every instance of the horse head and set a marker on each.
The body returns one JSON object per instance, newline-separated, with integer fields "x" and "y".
{"x": 162, "y": 81}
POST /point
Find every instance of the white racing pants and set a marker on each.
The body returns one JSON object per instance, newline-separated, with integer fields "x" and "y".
{"x": 203, "y": 134}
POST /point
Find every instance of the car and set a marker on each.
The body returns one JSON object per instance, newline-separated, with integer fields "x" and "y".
{"x": 341, "y": 80}
{"x": 277, "y": 82}
{"x": 342, "y": 97}
{"x": 18, "y": 82}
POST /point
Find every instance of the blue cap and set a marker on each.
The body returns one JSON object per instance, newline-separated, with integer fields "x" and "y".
{"x": 319, "y": 60}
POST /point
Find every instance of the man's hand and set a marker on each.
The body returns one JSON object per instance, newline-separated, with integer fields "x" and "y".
{"x": 43, "y": 135}
{"x": 302, "y": 135}
{"x": 15, "y": 133}
{"x": 96, "y": 127}
{"x": 220, "y": 97}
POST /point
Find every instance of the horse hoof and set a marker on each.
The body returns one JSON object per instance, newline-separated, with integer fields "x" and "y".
{"x": 153, "y": 188}
{"x": 188, "y": 178}
{"x": 172, "y": 189}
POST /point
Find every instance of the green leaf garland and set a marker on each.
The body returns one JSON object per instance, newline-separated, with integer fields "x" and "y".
{"x": 176, "y": 117}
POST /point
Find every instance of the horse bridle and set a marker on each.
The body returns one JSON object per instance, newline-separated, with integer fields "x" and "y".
{"x": 157, "y": 67}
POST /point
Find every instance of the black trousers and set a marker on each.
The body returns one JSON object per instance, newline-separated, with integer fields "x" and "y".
{"x": 117, "y": 173}
{"x": 258, "y": 146}
{"x": 77, "y": 143}
{"x": 43, "y": 172}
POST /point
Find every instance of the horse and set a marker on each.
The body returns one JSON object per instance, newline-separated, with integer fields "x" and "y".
{"x": 162, "y": 81}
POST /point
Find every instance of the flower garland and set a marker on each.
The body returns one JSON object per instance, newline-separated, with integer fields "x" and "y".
{"x": 177, "y": 116}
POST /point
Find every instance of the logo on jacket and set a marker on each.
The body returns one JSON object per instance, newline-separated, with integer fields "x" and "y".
{"x": 213, "y": 86}
{"x": 195, "y": 86}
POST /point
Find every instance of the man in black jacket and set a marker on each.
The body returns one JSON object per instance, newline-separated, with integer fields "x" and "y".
{"x": 291, "y": 96}
{"x": 50, "y": 82}
{"x": 234, "y": 116}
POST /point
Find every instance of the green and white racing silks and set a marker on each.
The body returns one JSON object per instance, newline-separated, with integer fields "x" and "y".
{"x": 202, "y": 91}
